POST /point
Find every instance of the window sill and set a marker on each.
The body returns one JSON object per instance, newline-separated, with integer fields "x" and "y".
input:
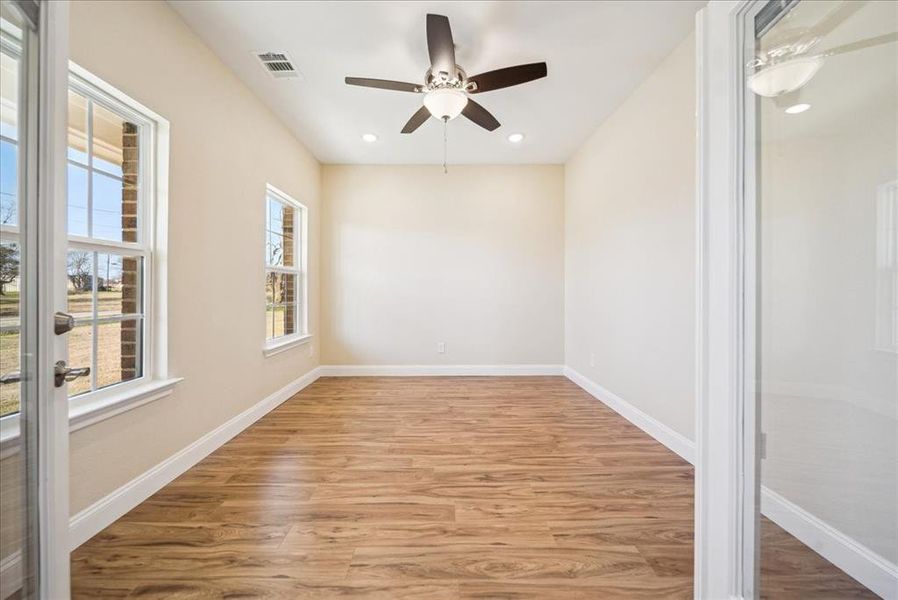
{"x": 119, "y": 401}
{"x": 282, "y": 345}
{"x": 95, "y": 410}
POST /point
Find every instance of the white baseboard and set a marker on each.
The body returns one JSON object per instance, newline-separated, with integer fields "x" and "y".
{"x": 676, "y": 442}
{"x": 10, "y": 574}
{"x": 873, "y": 571}
{"x": 438, "y": 370}
{"x": 105, "y": 511}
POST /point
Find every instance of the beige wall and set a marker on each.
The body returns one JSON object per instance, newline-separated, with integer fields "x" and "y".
{"x": 629, "y": 247}
{"x": 225, "y": 146}
{"x": 413, "y": 257}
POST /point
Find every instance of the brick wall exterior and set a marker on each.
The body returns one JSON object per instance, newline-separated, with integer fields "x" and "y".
{"x": 289, "y": 280}
{"x": 130, "y": 346}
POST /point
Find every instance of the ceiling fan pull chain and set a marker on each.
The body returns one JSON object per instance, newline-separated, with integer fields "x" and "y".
{"x": 445, "y": 145}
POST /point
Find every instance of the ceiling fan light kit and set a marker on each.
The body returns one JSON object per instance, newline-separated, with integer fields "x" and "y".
{"x": 445, "y": 103}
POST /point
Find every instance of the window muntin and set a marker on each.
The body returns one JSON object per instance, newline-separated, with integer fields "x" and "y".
{"x": 108, "y": 256}
{"x": 284, "y": 275}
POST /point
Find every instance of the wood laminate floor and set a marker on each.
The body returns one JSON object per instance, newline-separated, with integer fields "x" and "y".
{"x": 430, "y": 488}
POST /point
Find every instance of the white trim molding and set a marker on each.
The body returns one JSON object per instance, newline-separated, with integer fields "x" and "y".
{"x": 675, "y": 441}
{"x": 108, "y": 509}
{"x": 868, "y": 567}
{"x": 725, "y": 549}
{"x": 439, "y": 370}
{"x": 278, "y": 345}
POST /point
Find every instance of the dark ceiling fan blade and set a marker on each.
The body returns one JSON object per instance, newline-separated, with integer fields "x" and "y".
{"x": 480, "y": 116}
{"x": 440, "y": 45}
{"x": 507, "y": 77}
{"x": 417, "y": 120}
{"x": 383, "y": 84}
{"x": 860, "y": 44}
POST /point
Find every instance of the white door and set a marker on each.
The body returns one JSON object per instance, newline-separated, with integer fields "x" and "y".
{"x": 34, "y": 561}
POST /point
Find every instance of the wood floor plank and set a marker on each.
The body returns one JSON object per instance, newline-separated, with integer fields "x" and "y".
{"x": 433, "y": 488}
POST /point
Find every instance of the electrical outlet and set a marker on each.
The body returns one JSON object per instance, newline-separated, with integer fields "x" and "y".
{"x": 592, "y": 360}
{"x": 441, "y": 347}
{"x": 311, "y": 350}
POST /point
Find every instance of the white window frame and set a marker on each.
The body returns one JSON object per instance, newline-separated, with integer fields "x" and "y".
{"x": 300, "y": 269}
{"x": 155, "y": 381}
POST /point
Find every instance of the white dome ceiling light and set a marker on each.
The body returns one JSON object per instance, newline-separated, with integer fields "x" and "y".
{"x": 445, "y": 103}
{"x": 781, "y": 78}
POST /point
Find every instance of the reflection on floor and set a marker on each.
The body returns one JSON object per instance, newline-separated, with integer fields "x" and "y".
{"x": 789, "y": 569}
{"x": 425, "y": 488}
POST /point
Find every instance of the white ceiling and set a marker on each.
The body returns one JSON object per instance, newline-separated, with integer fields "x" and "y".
{"x": 597, "y": 53}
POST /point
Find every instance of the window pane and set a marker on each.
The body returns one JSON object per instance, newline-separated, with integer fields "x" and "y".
{"x": 80, "y": 340}
{"x": 80, "y": 272}
{"x": 9, "y": 96}
{"x": 280, "y": 237}
{"x": 107, "y": 207}
{"x": 9, "y": 181}
{"x": 9, "y": 362}
{"x": 284, "y": 320}
{"x": 77, "y": 138}
{"x": 9, "y": 284}
{"x": 275, "y": 249}
{"x": 282, "y": 288}
{"x": 9, "y": 325}
{"x": 118, "y": 284}
{"x": 281, "y": 315}
{"x": 77, "y": 200}
{"x": 119, "y": 352}
{"x": 108, "y": 130}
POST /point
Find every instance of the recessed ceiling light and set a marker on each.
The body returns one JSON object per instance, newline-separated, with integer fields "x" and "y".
{"x": 516, "y": 138}
{"x": 369, "y": 137}
{"x": 797, "y": 108}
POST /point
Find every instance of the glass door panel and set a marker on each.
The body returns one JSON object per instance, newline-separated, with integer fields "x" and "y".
{"x": 825, "y": 76}
{"x": 18, "y": 336}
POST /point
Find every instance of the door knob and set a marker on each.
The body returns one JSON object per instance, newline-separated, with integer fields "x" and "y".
{"x": 62, "y": 373}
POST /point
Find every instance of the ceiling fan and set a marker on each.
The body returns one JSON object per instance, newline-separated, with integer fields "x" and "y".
{"x": 447, "y": 88}
{"x": 791, "y": 61}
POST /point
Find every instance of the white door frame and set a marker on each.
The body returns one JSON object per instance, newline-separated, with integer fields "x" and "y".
{"x": 726, "y": 485}
{"x": 53, "y": 415}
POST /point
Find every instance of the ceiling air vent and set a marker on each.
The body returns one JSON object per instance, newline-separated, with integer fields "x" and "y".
{"x": 277, "y": 64}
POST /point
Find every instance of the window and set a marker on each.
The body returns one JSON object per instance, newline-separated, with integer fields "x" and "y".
{"x": 285, "y": 253}
{"x": 108, "y": 250}
{"x": 116, "y": 174}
